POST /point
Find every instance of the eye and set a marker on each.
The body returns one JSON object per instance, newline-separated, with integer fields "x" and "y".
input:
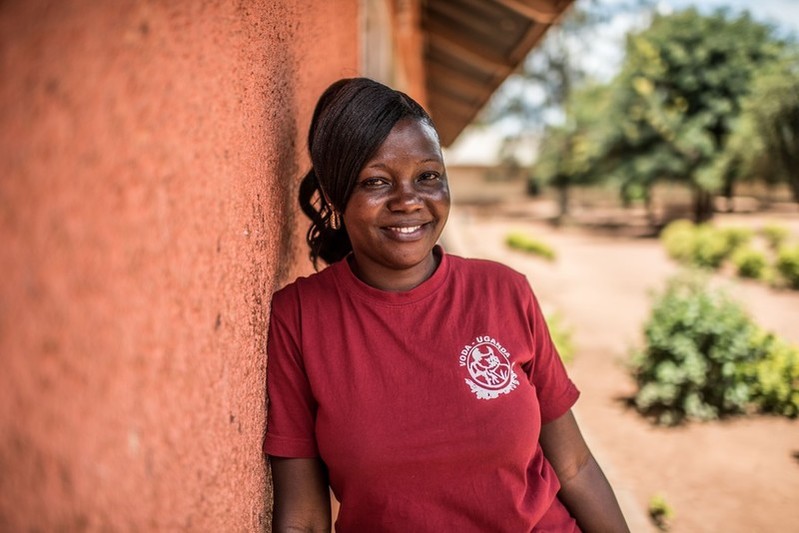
{"x": 429, "y": 176}
{"x": 373, "y": 183}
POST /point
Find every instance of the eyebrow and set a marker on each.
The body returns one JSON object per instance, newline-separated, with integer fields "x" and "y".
{"x": 427, "y": 160}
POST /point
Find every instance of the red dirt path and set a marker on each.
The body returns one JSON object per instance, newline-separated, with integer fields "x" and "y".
{"x": 739, "y": 475}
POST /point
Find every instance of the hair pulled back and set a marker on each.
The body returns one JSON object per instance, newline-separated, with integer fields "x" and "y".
{"x": 351, "y": 120}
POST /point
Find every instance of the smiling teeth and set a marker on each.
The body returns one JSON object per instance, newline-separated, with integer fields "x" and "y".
{"x": 406, "y": 230}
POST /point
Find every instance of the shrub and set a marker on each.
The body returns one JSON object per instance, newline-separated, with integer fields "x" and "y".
{"x": 787, "y": 265}
{"x": 750, "y": 263}
{"x": 775, "y": 235}
{"x": 775, "y": 378}
{"x": 678, "y": 238}
{"x": 705, "y": 358}
{"x": 525, "y": 243}
{"x": 703, "y": 246}
{"x": 710, "y": 247}
{"x": 695, "y": 339}
{"x": 736, "y": 237}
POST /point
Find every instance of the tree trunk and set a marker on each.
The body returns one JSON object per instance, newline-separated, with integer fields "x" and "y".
{"x": 649, "y": 206}
{"x": 729, "y": 191}
{"x": 789, "y": 160}
{"x": 563, "y": 202}
{"x": 794, "y": 184}
{"x": 703, "y": 205}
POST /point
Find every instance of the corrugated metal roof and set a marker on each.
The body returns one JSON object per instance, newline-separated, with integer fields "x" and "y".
{"x": 471, "y": 47}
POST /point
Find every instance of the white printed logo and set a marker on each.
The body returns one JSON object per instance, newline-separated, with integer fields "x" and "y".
{"x": 489, "y": 367}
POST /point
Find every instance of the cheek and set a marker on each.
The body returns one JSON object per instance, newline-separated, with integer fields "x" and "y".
{"x": 441, "y": 198}
{"x": 360, "y": 210}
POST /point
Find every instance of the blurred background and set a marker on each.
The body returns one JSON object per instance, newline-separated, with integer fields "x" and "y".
{"x": 641, "y": 168}
{"x": 637, "y": 160}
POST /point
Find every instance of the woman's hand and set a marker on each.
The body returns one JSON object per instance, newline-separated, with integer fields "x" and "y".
{"x": 584, "y": 489}
{"x": 301, "y": 495}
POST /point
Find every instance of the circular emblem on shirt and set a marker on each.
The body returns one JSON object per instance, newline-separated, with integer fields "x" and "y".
{"x": 489, "y": 367}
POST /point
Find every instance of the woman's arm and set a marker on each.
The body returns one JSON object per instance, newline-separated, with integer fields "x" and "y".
{"x": 301, "y": 495}
{"x": 584, "y": 489}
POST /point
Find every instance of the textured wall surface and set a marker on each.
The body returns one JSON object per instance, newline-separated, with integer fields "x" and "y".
{"x": 149, "y": 155}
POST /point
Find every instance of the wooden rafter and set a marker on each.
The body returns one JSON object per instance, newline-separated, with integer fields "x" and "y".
{"x": 542, "y": 11}
{"x": 472, "y": 46}
{"x": 462, "y": 46}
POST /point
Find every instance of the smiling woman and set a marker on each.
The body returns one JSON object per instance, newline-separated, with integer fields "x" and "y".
{"x": 398, "y": 208}
{"x": 422, "y": 388}
{"x": 351, "y": 120}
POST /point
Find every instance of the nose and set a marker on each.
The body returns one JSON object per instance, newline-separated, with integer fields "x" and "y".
{"x": 405, "y": 197}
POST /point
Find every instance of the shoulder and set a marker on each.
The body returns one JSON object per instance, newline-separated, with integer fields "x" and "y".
{"x": 486, "y": 269}
{"x": 315, "y": 285}
{"x": 485, "y": 278}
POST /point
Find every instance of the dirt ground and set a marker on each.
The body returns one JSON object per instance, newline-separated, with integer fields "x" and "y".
{"x": 739, "y": 475}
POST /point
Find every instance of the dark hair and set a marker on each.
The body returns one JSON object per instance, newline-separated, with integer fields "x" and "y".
{"x": 351, "y": 120}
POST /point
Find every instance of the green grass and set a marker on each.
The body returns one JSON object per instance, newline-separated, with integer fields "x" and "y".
{"x": 525, "y": 243}
{"x": 660, "y": 512}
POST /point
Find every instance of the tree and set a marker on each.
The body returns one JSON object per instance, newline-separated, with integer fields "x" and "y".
{"x": 677, "y": 96}
{"x": 765, "y": 141}
{"x": 569, "y": 153}
{"x": 551, "y": 83}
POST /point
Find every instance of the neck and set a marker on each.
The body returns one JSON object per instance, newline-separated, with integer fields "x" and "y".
{"x": 387, "y": 279}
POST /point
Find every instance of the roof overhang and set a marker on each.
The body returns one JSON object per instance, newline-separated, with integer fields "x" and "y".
{"x": 471, "y": 47}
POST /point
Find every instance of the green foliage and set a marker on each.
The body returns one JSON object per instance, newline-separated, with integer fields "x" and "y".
{"x": 775, "y": 235}
{"x": 660, "y": 512}
{"x": 678, "y": 238}
{"x": 705, "y": 246}
{"x": 702, "y": 245}
{"x": 678, "y": 95}
{"x": 525, "y": 243}
{"x": 765, "y": 140}
{"x": 713, "y": 245}
{"x": 750, "y": 263}
{"x": 569, "y": 153}
{"x": 705, "y": 99}
{"x": 788, "y": 265}
{"x": 737, "y": 237}
{"x": 562, "y": 337}
{"x": 704, "y": 358}
{"x": 695, "y": 339}
{"x": 775, "y": 379}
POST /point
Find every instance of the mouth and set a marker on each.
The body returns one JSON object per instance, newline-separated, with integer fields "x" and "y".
{"x": 406, "y": 230}
{"x": 406, "y": 233}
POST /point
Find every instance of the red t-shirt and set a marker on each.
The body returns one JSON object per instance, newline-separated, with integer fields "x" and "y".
{"x": 426, "y": 405}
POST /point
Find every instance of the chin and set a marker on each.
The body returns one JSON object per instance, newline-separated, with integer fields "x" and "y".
{"x": 404, "y": 261}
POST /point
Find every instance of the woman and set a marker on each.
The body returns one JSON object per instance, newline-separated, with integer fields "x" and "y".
{"x": 423, "y": 388}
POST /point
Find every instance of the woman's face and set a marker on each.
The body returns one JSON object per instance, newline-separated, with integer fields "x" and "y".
{"x": 398, "y": 208}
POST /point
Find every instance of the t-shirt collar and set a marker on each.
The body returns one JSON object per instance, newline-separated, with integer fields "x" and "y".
{"x": 347, "y": 277}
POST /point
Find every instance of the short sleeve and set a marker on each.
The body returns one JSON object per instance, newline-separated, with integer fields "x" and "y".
{"x": 556, "y": 392}
{"x": 292, "y": 408}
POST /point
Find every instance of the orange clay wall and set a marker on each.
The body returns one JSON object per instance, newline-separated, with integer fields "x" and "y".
{"x": 149, "y": 158}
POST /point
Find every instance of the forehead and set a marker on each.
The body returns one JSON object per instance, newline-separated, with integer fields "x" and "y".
{"x": 409, "y": 138}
